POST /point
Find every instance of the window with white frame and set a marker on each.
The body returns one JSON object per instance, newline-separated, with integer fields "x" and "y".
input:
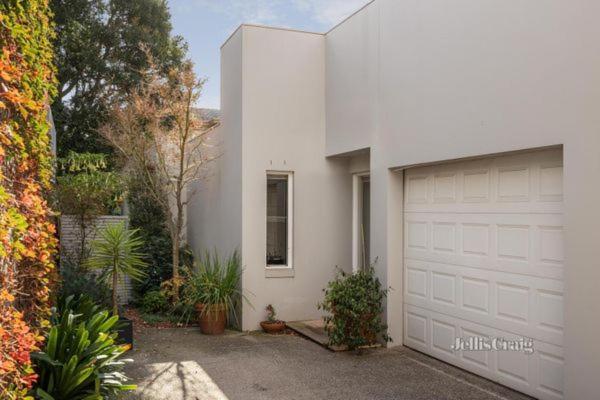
{"x": 279, "y": 219}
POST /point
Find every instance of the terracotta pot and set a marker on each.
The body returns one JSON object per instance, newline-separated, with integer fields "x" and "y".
{"x": 213, "y": 320}
{"x": 273, "y": 327}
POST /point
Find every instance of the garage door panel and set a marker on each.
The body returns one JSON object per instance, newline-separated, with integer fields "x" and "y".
{"x": 416, "y": 329}
{"x": 520, "y": 304}
{"x": 510, "y": 184}
{"x": 550, "y": 377}
{"x": 526, "y": 244}
{"x": 483, "y": 248}
{"x": 539, "y": 373}
{"x": 485, "y": 206}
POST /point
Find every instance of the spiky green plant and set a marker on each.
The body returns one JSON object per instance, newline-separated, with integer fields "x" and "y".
{"x": 116, "y": 253}
{"x": 215, "y": 282}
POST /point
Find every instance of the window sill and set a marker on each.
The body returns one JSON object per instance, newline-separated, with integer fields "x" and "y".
{"x": 279, "y": 272}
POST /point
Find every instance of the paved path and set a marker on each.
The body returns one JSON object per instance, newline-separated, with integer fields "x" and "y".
{"x": 183, "y": 364}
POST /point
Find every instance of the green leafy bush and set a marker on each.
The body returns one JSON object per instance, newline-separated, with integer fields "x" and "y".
{"x": 355, "y": 304}
{"x": 154, "y": 301}
{"x": 80, "y": 359}
{"x": 76, "y": 281}
{"x": 86, "y": 188}
{"x": 82, "y": 305}
{"x": 148, "y": 216}
{"x": 158, "y": 256}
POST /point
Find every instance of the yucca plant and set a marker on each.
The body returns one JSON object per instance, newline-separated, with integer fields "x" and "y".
{"x": 116, "y": 253}
{"x": 80, "y": 360}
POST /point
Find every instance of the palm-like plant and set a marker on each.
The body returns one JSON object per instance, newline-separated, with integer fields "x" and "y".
{"x": 116, "y": 253}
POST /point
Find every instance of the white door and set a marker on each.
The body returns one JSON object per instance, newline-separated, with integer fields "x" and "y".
{"x": 483, "y": 246}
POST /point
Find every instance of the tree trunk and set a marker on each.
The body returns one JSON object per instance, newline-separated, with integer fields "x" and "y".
{"x": 115, "y": 283}
{"x": 175, "y": 250}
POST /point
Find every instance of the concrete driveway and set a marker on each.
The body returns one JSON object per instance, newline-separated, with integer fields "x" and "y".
{"x": 184, "y": 364}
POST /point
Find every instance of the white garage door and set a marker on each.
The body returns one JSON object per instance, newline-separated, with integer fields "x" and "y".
{"x": 484, "y": 258}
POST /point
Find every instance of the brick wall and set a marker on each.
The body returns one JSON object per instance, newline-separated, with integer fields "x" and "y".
{"x": 70, "y": 244}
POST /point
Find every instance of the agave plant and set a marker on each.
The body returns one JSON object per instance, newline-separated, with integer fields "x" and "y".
{"x": 116, "y": 253}
{"x": 80, "y": 360}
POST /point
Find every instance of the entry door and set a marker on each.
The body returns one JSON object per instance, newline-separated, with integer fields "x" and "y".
{"x": 483, "y": 246}
{"x": 361, "y": 221}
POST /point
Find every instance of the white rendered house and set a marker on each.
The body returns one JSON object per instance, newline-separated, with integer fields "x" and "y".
{"x": 456, "y": 142}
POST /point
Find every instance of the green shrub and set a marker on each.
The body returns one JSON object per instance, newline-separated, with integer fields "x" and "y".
{"x": 148, "y": 216}
{"x": 354, "y": 302}
{"x": 80, "y": 359}
{"x": 76, "y": 281}
{"x": 154, "y": 301}
{"x": 81, "y": 305}
{"x": 85, "y": 186}
{"x": 158, "y": 257}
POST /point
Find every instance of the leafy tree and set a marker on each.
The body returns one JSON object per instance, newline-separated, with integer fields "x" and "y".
{"x": 159, "y": 133}
{"x": 86, "y": 190}
{"x": 100, "y": 51}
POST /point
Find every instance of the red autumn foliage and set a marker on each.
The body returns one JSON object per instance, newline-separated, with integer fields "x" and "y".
{"x": 27, "y": 242}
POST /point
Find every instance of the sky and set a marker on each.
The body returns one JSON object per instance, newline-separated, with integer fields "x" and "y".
{"x": 206, "y": 24}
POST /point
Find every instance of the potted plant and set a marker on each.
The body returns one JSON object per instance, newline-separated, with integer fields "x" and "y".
{"x": 115, "y": 253}
{"x": 355, "y": 305}
{"x": 213, "y": 288}
{"x": 272, "y": 324}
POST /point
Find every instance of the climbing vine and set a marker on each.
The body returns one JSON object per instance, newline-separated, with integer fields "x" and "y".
{"x": 27, "y": 240}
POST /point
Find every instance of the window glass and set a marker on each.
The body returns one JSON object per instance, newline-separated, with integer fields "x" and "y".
{"x": 277, "y": 219}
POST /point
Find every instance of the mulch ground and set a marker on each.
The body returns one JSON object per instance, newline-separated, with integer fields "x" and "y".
{"x": 139, "y": 324}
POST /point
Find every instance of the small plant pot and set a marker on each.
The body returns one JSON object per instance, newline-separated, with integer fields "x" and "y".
{"x": 273, "y": 327}
{"x": 125, "y": 331}
{"x": 212, "y": 318}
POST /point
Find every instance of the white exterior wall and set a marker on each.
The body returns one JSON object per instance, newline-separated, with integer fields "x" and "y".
{"x": 284, "y": 130}
{"x": 273, "y": 119}
{"x": 470, "y": 78}
{"x": 215, "y": 209}
{"x": 351, "y": 83}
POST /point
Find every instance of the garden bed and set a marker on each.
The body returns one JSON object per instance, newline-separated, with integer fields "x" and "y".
{"x": 143, "y": 320}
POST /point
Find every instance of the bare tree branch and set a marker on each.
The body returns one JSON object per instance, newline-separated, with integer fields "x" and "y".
{"x": 162, "y": 140}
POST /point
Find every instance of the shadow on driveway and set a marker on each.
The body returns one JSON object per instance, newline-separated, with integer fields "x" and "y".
{"x": 183, "y": 364}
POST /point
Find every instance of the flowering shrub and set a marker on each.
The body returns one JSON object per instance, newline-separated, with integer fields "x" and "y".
{"x": 27, "y": 242}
